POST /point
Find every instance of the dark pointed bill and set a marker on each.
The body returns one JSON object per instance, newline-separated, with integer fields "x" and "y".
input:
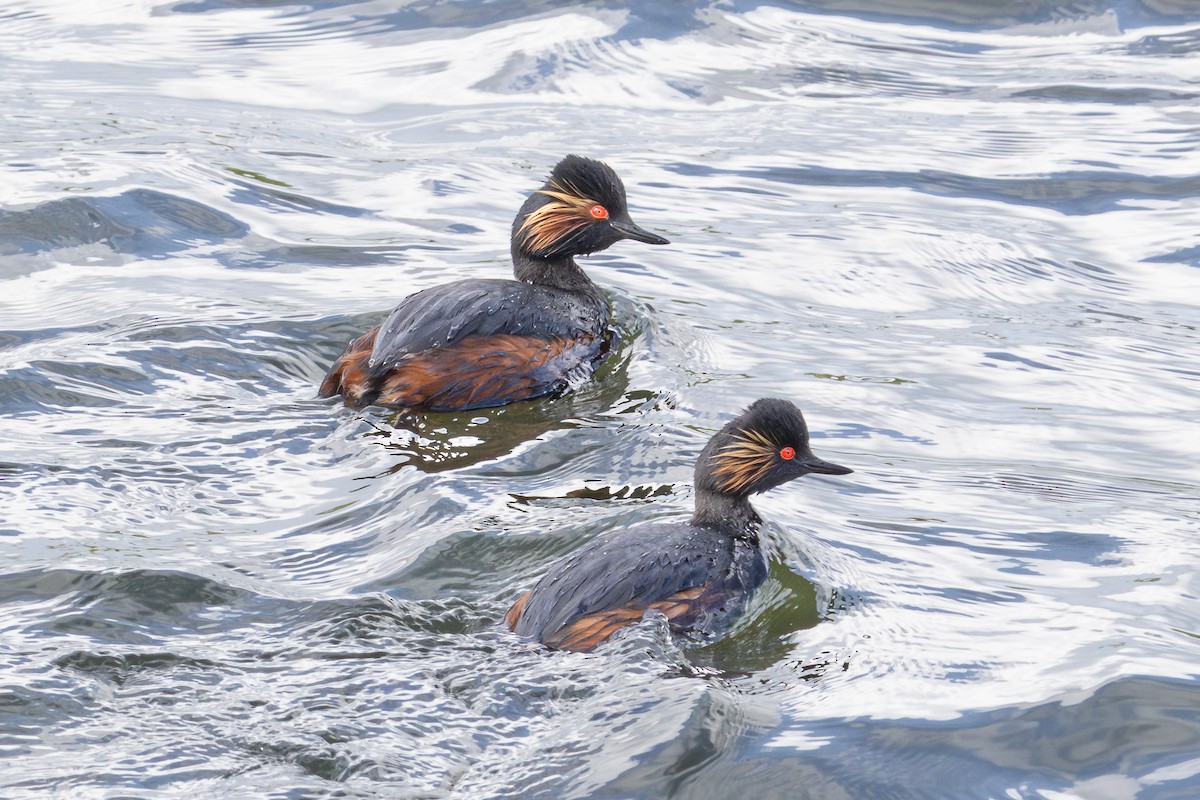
{"x": 813, "y": 464}
{"x": 631, "y": 231}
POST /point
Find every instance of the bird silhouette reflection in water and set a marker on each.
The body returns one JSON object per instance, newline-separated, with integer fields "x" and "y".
{"x": 481, "y": 343}
{"x": 699, "y": 574}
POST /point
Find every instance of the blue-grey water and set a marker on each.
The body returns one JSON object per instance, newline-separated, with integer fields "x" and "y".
{"x": 964, "y": 236}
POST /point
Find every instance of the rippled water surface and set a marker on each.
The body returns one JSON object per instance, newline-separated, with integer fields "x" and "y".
{"x": 961, "y": 235}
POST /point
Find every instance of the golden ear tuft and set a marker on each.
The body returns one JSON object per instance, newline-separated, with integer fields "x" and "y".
{"x": 567, "y": 212}
{"x": 744, "y": 461}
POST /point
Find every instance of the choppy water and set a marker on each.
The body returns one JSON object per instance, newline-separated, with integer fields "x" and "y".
{"x": 961, "y": 235}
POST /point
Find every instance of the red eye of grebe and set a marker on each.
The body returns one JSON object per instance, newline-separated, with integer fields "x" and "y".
{"x": 787, "y": 453}
{"x": 599, "y": 212}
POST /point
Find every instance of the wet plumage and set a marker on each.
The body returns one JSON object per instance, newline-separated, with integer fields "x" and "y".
{"x": 699, "y": 574}
{"x": 478, "y": 343}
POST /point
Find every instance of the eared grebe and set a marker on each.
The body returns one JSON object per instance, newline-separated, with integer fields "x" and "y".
{"x": 700, "y": 573}
{"x": 479, "y": 343}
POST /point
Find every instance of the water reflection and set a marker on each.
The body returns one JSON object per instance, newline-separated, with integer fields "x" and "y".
{"x": 767, "y": 632}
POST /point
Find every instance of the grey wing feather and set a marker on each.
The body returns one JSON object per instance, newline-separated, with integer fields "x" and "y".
{"x": 451, "y": 312}
{"x": 640, "y": 565}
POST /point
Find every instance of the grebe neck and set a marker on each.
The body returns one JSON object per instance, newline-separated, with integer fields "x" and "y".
{"x": 560, "y": 273}
{"x": 732, "y": 514}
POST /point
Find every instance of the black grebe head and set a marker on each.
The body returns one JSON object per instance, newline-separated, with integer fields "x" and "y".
{"x": 580, "y": 210}
{"x": 764, "y": 447}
